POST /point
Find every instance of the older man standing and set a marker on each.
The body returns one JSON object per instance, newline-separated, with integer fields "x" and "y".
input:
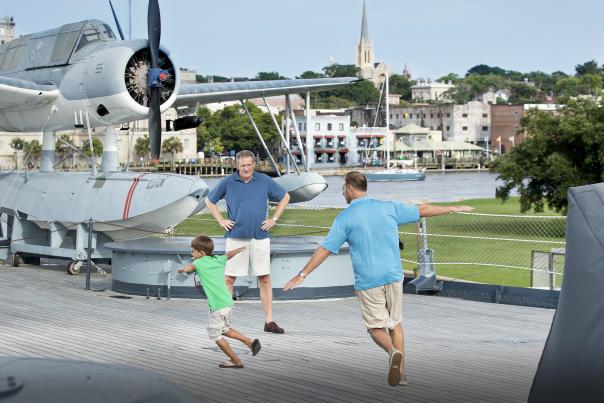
{"x": 247, "y": 194}
{"x": 371, "y": 229}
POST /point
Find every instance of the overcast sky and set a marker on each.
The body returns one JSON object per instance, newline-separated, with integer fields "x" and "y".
{"x": 432, "y": 37}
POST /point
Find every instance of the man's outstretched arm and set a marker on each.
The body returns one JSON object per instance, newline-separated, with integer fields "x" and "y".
{"x": 315, "y": 260}
{"x": 428, "y": 210}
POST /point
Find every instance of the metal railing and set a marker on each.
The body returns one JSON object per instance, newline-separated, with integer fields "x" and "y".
{"x": 486, "y": 248}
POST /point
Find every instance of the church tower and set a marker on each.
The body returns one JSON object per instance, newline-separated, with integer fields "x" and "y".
{"x": 7, "y": 29}
{"x": 364, "y": 59}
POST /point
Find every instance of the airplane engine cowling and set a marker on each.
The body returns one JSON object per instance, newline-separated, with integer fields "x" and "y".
{"x": 114, "y": 80}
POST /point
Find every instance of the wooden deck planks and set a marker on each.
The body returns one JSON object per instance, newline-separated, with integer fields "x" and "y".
{"x": 456, "y": 350}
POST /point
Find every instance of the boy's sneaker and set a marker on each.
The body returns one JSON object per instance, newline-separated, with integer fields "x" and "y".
{"x": 255, "y": 346}
{"x": 394, "y": 372}
{"x": 272, "y": 327}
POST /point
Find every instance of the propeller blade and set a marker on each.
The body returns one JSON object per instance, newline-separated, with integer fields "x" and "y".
{"x": 154, "y": 31}
{"x": 154, "y": 123}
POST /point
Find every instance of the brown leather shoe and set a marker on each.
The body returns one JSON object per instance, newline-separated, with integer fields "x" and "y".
{"x": 272, "y": 327}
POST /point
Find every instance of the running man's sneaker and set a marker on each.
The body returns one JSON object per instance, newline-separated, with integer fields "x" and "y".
{"x": 394, "y": 372}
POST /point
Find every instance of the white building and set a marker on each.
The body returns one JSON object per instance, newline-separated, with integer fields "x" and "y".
{"x": 469, "y": 122}
{"x": 331, "y": 143}
{"x": 429, "y": 91}
{"x": 126, "y": 140}
{"x": 7, "y": 29}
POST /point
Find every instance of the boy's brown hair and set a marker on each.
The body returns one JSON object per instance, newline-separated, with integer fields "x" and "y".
{"x": 203, "y": 244}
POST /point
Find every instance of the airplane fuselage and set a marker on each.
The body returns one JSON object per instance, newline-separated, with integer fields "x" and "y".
{"x": 103, "y": 78}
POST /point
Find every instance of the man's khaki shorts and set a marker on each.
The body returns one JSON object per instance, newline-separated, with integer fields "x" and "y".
{"x": 254, "y": 260}
{"x": 219, "y": 323}
{"x": 382, "y": 307}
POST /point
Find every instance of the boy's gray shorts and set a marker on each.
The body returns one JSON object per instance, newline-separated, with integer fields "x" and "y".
{"x": 219, "y": 322}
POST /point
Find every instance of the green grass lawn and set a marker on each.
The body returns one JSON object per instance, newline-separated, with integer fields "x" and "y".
{"x": 451, "y": 236}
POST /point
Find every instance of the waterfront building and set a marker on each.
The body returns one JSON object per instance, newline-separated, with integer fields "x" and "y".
{"x": 7, "y": 29}
{"x": 414, "y": 142}
{"x": 369, "y": 69}
{"x": 126, "y": 140}
{"x": 329, "y": 139}
{"x": 430, "y": 91}
{"x": 469, "y": 122}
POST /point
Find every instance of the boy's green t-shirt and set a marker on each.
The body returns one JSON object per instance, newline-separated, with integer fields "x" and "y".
{"x": 210, "y": 270}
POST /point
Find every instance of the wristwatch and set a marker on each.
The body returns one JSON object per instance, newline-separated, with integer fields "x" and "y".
{"x": 302, "y": 274}
{"x": 275, "y": 219}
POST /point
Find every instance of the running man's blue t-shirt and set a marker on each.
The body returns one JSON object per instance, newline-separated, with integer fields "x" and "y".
{"x": 247, "y": 203}
{"x": 371, "y": 229}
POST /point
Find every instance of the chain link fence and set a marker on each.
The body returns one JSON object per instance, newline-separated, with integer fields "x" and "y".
{"x": 511, "y": 250}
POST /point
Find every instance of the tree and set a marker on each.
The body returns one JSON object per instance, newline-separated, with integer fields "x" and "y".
{"x": 341, "y": 70}
{"x": 590, "y": 67}
{"x": 399, "y": 84}
{"x": 483, "y": 70}
{"x": 310, "y": 74}
{"x": 268, "y": 75}
{"x": 232, "y": 126}
{"x": 142, "y": 147}
{"x": 33, "y": 150}
{"x": 63, "y": 150}
{"x": 172, "y": 145}
{"x": 563, "y": 150}
{"x": 17, "y": 143}
{"x": 97, "y": 146}
{"x": 203, "y": 134}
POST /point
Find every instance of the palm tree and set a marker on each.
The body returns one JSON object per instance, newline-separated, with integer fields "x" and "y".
{"x": 97, "y": 146}
{"x": 172, "y": 145}
{"x": 17, "y": 144}
{"x": 63, "y": 150}
{"x": 33, "y": 150}
{"x": 142, "y": 147}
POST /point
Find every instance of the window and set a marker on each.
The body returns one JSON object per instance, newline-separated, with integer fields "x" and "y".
{"x": 341, "y": 127}
{"x": 396, "y": 115}
{"x": 423, "y": 115}
{"x": 484, "y": 115}
{"x": 317, "y": 126}
{"x": 464, "y": 128}
{"x": 485, "y": 128}
{"x": 391, "y": 116}
{"x": 410, "y": 116}
{"x": 464, "y": 115}
{"x": 438, "y": 115}
{"x": 329, "y": 126}
{"x": 448, "y": 115}
{"x": 448, "y": 128}
{"x": 431, "y": 115}
{"x": 300, "y": 125}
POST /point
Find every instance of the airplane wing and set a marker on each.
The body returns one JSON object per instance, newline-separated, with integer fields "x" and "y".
{"x": 25, "y": 95}
{"x": 191, "y": 94}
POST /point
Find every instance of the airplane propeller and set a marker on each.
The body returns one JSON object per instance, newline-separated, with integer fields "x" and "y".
{"x": 155, "y": 77}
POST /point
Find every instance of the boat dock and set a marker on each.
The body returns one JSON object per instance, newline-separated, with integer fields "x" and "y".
{"x": 457, "y": 350}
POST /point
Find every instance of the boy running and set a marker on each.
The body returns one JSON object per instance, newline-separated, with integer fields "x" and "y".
{"x": 210, "y": 270}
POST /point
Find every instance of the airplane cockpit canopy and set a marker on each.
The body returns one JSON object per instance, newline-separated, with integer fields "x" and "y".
{"x": 53, "y": 47}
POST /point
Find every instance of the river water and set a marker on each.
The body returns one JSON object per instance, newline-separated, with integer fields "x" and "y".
{"x": 437, "y": 187}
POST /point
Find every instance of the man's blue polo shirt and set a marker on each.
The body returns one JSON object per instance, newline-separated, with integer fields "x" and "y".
{"x": 371, "y": 229}
{"x": 247, "y": 203}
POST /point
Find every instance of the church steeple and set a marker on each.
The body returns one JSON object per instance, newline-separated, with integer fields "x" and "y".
{"x": 364, "y": 26}
{"x": 364, "y": 60}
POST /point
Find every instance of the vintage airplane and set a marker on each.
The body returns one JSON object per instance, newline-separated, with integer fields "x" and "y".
{"x": 81, "y": 76}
